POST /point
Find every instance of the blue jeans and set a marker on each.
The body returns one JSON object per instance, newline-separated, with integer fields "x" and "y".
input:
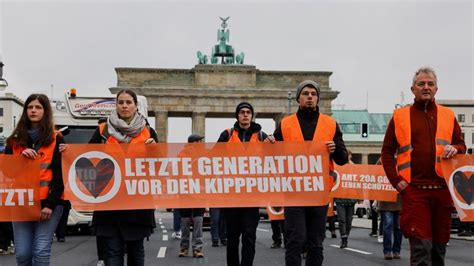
{"x": 115, "y": 250}
{"x": 33, "y": 240}
{"x": 218, "y": 227}
{"x": 391, "y": 224}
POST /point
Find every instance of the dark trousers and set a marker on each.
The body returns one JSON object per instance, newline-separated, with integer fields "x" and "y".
{"x": 305, "y": 224}
{"x": 344, "y": 216}
{"x": 218, "y": 230}
{"x": 241, "y": 222}
{"x": 61, "y": 230}
{"x": 332, "y": 223}
{"x": 115, "y": 250}
{"x": 374, "y": 218}
{"x": 278, "y": 229}
{"x": 6, "y": 234}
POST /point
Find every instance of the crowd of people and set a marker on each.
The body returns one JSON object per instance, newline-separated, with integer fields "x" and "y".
{"x": 416, "y": 136}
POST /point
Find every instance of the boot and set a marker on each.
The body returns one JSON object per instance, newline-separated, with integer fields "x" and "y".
{"x": 343, "y": 242}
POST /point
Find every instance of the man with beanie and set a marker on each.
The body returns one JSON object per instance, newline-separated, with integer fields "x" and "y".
{"x": 194, "y": 216}
{"x": 306, "y": 226}
{"x": 242, "y": 221}
{"x": 421, "y": 136}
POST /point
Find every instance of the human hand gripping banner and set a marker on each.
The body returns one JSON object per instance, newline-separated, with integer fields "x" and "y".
{"x": 139, "y": 176}
{"x": 19, "y": 189}
{"x": 459, "y": 175}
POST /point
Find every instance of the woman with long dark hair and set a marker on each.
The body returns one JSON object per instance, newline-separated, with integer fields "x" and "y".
{"x": 125, "y": 229}
{"x": 35, "y": 138}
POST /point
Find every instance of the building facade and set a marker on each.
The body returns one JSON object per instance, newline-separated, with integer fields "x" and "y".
{"x": 464, "y": 110}
{"x": 10, "y": 112}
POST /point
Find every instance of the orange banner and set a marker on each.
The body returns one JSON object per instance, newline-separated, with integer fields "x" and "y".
{"x": 276, "y": 213}
{"x": 108, "y": 177}
{"x": 19, "y": 189}
{"x": 459, "y": 175}
{"x": 362, "y": 181}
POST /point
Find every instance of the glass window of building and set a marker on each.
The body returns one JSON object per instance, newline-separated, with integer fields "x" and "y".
{"x": 461, "y": 118}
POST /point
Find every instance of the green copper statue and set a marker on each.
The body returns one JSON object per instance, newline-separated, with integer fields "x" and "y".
{"x": 222, "y": 50}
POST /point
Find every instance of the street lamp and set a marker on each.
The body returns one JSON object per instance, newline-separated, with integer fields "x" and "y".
{"x": 3, "y": 82}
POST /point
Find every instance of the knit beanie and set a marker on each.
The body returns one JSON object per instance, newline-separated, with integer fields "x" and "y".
{"x": 243, "y": 105}
{"x": 307, "y": 83}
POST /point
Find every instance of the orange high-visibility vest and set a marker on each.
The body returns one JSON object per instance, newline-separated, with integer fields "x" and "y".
{"x": 144, "y": 135}
{"x": 234, "y": 136}
{"x": 46, "y": 158}
{"x": 444, "y": 134}
{"x": 325, "y": 131}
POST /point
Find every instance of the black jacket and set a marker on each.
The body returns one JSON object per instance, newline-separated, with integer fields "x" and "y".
{"x": 308, "y": 120}
{"x": 131, "y": 224}
{"x": 56, "y": 187}
{"x": 244, "y": 134}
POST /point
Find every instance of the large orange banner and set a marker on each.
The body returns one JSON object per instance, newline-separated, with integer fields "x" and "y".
{"x": 362, "y": 181}
{"x": 108, "y": 177}
{"x": 19, "y": 189}
{"x": 459, "y": 175}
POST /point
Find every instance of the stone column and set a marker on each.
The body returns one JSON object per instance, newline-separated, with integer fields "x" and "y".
{"x": 199, "y": 123}
{"x": 365, "y": 158}
{"x": 161, "y": 125}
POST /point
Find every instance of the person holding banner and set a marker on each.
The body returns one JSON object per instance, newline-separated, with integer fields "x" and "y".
{"x": 35, "y": 138}
{"x": 421, "y": 135}
{"x": 242, "y": 221}
{"x": 124, "y": 229}
{"x": 308, "y": 124}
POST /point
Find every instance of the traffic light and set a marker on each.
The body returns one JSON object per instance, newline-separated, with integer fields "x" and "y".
{"x": 364, "y": 130}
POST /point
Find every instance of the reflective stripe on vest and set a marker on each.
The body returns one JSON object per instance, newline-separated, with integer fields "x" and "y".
{"x": 46, "y": 158}
{"x": 444, "y": 132}
{"x": 234, "y": 136}
{"x": 144, "y": 135}
{"x": 325, "y": 131}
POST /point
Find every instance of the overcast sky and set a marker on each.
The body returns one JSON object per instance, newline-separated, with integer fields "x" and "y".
{"x": 372, "y": 47}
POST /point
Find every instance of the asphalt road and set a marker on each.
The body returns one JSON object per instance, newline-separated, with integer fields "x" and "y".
{"x": 163, "y": 250}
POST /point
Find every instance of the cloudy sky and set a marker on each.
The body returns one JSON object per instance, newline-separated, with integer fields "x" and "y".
{"x": 372, "y": 47}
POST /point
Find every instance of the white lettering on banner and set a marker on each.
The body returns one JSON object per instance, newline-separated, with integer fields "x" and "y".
{"x": 264, "y": 184}
{"x": 349, "y": 177}
{"x": 163, "y": 166}
{"x": 255, "y": 165}
{"x": 187, "y": 169}
{"x": 183, "y": 186}
{"x": 7, "y": 197}
{"x": 143, "y": 187}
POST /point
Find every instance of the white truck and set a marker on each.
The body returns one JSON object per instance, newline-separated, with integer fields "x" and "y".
{"x": 77, "y": 117}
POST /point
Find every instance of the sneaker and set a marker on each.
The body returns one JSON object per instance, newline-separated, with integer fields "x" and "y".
{"x": 197, "y": 253}
{"x": 276, "y": 244}
{"x": 343, "y": 243}
{"x": 396, "y": 256}
{"x": 333, "y": 234}
{"x": 4, "y": 252}
{"x": 373, "y": 235}
{"x": 11, "y": 249}
{"x": 183, "y": 252}
{"x": 465, "y": 233}
{"x": 61, "y": 239}
{"x": 387, "y": 256}
{"x": 215, "y": 243}
{"x": 176, "y": 235}
{"x": 100, "y": 263}
{"x": 224, "y": 242}
{"x": 380, "y": 239}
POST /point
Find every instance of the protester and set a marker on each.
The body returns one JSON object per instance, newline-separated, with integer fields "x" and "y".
{"x": 176, "y": 224}
{"x": 390, "y": 212}
{"x": 308, "y": 124}
{"x": 35, "y": 138}
{"x": 421, "y": 135}
{"x": 124, "y": 231}
{"x": 345, "y": 212}
{"x": 242, "y": 221}
{"x": 194, "y": 216}
{"x": 278, "y": 233}
{"x": 6, "y": 238}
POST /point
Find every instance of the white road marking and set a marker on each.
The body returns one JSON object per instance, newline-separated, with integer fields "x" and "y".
{"x": 162, "y": 226}
{"x": 161, "y": 252}
{"x": 354, "y": 250}
{"x": 165, "y": 231}
{"x": 263, "y": 230}
{"x": 159, "y": 219}
{"x": 165, "y": 237}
